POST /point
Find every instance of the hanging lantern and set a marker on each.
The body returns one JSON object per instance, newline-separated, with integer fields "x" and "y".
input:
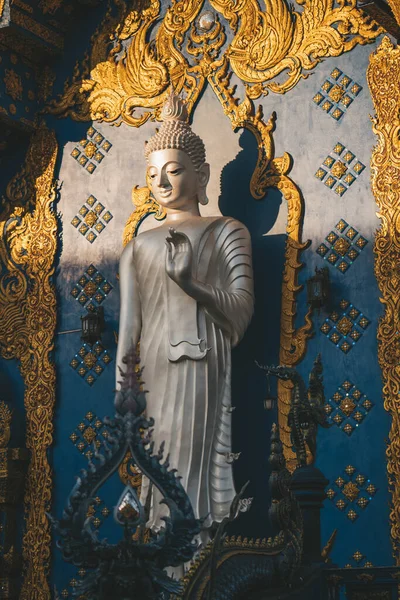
{"x": 269, "y": 400}
{"x": 318, "y": 288}
{"x": 92, "y": 326}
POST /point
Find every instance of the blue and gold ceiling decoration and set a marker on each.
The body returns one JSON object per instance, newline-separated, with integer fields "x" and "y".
{"x": 90, "y": 361}
{"x": 340, "y": 169}
{"x": 344, "y": 328}
{"x": 337, "y": 94}
{"x": 91, "y": 151}
{"x": 341, "y": 249}
{"x": 92, "y": 219}
{"x": 348, "y": 407}
{"x": 351, "y": 492}
{"x": 91, "y": 289}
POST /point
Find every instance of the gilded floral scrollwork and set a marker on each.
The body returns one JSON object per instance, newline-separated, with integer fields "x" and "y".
{"x": 28, "y": 238}
{"x": 383, "y": 79}
{"x": 131, "y": 84}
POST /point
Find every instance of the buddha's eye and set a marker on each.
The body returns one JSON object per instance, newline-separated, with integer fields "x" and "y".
{"x": 174, "y": 172}
{"x": 152, "y": 175}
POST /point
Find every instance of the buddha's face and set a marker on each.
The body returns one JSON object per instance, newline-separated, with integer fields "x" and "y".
{"x": 173, "y": 179}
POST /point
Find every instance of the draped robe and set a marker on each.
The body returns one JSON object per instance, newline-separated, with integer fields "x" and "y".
{"x": 185, "y": 349}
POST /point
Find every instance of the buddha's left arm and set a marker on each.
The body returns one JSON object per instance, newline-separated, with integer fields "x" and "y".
{"x": 230, "y": 304}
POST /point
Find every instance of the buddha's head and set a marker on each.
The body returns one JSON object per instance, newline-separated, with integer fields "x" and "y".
{"x": 177, "y": 172}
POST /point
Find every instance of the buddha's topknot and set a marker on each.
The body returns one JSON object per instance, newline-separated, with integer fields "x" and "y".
{"x": 175, "y": 132}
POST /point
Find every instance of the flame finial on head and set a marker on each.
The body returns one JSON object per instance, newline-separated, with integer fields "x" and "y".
{"x": 176, "y": 133}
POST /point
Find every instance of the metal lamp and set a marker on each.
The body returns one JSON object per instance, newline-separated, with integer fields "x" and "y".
{"x": 92, "y": 326}
{"x": 318, "y": 288}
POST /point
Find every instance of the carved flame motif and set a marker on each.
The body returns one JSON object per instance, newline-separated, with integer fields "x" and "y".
{"x": 130, "y": 83}
{"x": 383, "y": 79}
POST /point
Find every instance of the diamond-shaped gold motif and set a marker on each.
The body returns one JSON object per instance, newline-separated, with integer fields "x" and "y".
{"x": 339, "y": 169}
{"x": 336, "y": 73}
{"x": 350, "y": 470}
{"x": 335, "y": 337}
{"x": 336, "y": 93}
{"x": 348, "y": 428}
{"x": 345, "y": 347}
{"x": 329, "y": 181}
{"x": 337, "y": 419}
{"x": 358, "y": 416}
{"x": 325, "y": 328}
{"x": 331, "y": 494}
{"x": 341, "y": 225}
{"x": 340, "y": 189}
{"x": 75, "y": 221}
{"x": 341, "y": 504}
{"x": 320, "y": 174}
{"x": 371, "y": 489}
{"x": 357, "y": 556}
{"x": 89, "y": 434}
{"x": 81, "y": 426}
{"x": 318, "y": 98}
{"x": 347, "y": 406}
{"x": 363, "y": 322}
{"x": 91, "y": 218}
{"x": 90, "y": 289}
{"x": 351, "y": 491}
{"x": 362, "y": 502}
{"x": 338, "y": 149}
{"x": 326, "y": 106}
{"x": 90, "y": 360}
{"x": 345, "y": 325}
{"x": 341, "y": 246}
{"x": 91, "y": 167}
{"x": 367, "y": 404}
{"x": 352, "y": 515}
{"x": 91, "y": 236}
{"x": 358, "y": 167}
{"x": 90, "y": 149}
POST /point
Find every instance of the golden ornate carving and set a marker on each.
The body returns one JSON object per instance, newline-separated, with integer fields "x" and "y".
{"x": 130, "y": 84}
{"x": 383, "y": 79}
{"x": 5, "y": 424}
{"x": 28, "y": 238}
{"x": 145, "y": 205}
{"x": 273, "y": 171}
{"x": 395, "y": 6}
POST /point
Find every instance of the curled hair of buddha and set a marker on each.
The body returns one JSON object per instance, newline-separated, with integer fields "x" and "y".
{"x": 176, "y": 133}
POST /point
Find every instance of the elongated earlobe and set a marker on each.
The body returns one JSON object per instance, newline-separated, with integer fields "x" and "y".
{"x": 202, "y": 196}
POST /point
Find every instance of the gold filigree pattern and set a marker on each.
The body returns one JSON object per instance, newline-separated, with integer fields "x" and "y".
{"x": 383, "y": 79}
{"x": 28, "y": 234}
{"x": 5, "y": 424}
{"x": 131, "y": 82}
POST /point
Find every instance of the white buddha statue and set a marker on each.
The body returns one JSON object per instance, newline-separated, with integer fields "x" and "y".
{"x": 187, "y": 295}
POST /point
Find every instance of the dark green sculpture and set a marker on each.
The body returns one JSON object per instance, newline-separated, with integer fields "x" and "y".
{"x": 128, "y": 569}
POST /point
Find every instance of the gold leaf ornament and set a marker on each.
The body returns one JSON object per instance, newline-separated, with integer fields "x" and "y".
{"x": 132, "y": 84}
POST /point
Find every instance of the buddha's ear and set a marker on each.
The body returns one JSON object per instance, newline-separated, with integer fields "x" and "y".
{"x": 204, "y": 175}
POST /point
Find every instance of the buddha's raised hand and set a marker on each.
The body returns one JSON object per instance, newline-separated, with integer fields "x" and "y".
{"x": 179, "y": 258}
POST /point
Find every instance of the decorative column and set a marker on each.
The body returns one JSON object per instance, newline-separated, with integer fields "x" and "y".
{"x": 308, "y": 485}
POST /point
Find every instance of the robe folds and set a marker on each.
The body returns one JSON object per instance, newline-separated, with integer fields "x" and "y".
{"x": 185, "y": 349}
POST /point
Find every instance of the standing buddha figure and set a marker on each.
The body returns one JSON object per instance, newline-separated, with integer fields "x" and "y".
{"x": 187, "y": 295}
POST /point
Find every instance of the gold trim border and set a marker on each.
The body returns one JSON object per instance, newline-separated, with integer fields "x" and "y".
{"x": 383, "y": 77}
{"x": 28, "y": 243}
